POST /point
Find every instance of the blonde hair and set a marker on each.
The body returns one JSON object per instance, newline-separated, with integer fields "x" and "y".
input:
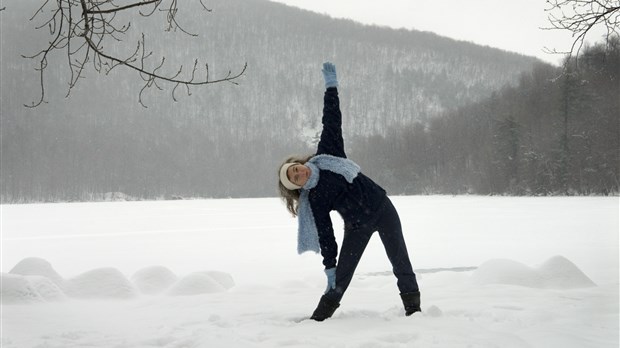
{"x": 291, "y": 197}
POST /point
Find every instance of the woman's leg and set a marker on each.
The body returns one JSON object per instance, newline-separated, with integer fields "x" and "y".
{"x": 391, "y": 234}
{"x": 354, "y": 243}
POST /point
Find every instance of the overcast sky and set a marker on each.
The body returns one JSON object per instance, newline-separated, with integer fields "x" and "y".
{"x": 512, "y": 25}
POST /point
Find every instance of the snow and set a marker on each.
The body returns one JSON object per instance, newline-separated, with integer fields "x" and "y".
{"x": 101, "y": 283}
{"x": 154, "y": 279}
{"x": 557, "y": 272}
{"x": 28, "y": 289}
{"x": 37, "y": 267}
{"x": 195, "y": 284}
{"x": 493, "y": 271}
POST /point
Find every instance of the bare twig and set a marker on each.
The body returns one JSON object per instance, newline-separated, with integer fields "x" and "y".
{"x": 579, "y": 17}
{"x": 121, "y": 8}
{"x": 82, "y": 38}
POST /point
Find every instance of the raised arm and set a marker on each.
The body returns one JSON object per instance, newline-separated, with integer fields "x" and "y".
{"x": 331, "y": 142}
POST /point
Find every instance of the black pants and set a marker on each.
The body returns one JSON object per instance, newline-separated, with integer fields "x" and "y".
{"x": 355, "y": 241}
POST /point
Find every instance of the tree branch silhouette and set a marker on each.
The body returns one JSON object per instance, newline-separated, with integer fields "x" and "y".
{"x": 79, "y": 28}
{"x": 579, "y": 17}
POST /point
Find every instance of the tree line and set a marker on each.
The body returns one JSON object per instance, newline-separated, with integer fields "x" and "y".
{"x": 555, "y": 133}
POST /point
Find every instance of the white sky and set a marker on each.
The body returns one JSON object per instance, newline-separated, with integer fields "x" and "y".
{"x": 509, "y": 25}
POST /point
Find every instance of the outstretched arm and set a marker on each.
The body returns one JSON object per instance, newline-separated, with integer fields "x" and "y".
{"x": 325, "y": 229}
{"x": 331, "y": 142}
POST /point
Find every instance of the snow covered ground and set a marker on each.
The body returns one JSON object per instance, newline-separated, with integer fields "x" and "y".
{"x": 493, "y": 271}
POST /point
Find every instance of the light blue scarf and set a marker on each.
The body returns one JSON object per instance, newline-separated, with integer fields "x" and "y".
{"x": 307, "y": 234}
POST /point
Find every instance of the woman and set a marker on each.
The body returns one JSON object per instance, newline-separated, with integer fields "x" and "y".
{"x": 313, "y": 186}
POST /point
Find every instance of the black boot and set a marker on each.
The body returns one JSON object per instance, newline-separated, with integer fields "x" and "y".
{"x": 325, "y": 309}
{"x": 411, "y": 301}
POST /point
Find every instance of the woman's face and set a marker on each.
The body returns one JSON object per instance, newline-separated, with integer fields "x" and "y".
{"x": 298, "y": 174}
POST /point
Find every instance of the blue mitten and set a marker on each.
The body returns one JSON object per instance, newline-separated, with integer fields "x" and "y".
{"x": 331, "y": 279}
{"x": 329, "y": 74}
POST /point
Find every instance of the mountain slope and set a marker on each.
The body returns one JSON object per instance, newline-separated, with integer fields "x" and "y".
{"x": 100, "y": 139}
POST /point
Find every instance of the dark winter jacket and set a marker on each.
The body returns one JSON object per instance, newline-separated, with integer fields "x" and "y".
{"x": 358, "y": 203}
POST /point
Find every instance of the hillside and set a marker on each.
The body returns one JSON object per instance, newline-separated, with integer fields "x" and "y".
{"x": 100, "y": 139}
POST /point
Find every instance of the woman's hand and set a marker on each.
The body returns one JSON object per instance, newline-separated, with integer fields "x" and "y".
{"x": 329, "y": 74}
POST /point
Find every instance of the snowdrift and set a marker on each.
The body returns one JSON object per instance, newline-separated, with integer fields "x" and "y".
{"x": 18, "y": 289}
{"x": 100, "y": 283}
{"x": 555, "y": 273}
{"x": 34, "y": 280}
{"x": 33, "y": 266}
{"x": 154, "y": 280}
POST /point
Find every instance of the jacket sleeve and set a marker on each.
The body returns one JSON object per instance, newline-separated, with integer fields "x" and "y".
{"x": 331, "y": 142}
{"x": 325, "y": 230}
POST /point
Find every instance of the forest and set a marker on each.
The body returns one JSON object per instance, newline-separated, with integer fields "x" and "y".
{"x": 422, "y": 113}
{"x": 557, "y": 132}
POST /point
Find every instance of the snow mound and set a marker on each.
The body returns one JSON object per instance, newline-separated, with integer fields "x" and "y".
{"x": 34, "y": 280}
{"x": 17, "y": 289}
{"x": 225, "y": 279}
{"x": 153, "y": 280}
{"x": 503, "y": 271}
{"x": 195, "y": 284}
{"x": 34, "y": 266}
{"x": 48, "y": 290}
{"x": 557, "y": 272}
{"x": 106, "y": 283}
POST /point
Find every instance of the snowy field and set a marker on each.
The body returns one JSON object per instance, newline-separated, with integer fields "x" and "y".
{"x": 493, "y": 271}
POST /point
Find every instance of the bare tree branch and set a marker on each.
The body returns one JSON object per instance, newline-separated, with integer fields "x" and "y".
{"x": 579, "y": 17}
{"x": 81, "y": 27}
{"x": 120, "y": 8}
